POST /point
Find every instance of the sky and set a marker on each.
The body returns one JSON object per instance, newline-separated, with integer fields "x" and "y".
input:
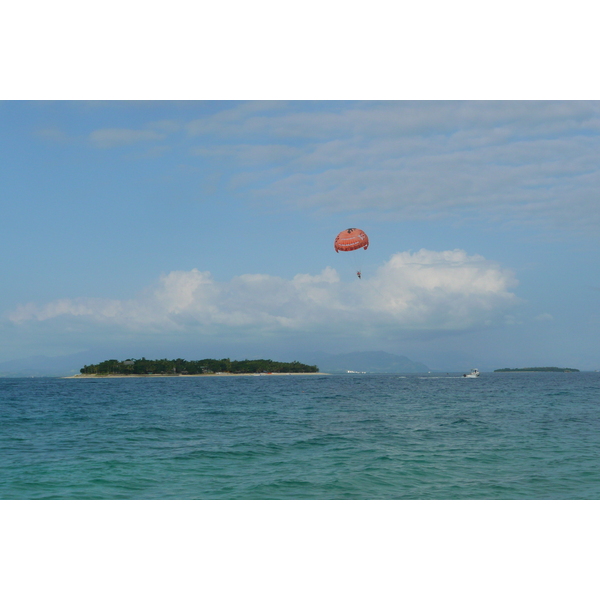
{"x": 205, "y": 228}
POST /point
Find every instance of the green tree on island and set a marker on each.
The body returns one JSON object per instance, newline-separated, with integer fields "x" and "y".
{"x": 181, "y": 366}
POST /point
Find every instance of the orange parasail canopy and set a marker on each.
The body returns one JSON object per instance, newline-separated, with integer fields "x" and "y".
{"x": 351, "y": 239}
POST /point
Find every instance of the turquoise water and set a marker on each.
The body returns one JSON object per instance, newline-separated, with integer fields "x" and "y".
{"x": 502, "y": 436}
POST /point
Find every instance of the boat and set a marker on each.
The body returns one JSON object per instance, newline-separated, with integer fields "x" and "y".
{"x": 474, "y": 373}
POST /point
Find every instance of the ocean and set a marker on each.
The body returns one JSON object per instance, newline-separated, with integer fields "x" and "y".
{"x": 365, "y": 436}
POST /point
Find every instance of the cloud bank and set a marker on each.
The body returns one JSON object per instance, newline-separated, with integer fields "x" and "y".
{"x": 525, "y": 162}
{"x": 421, "y": 291}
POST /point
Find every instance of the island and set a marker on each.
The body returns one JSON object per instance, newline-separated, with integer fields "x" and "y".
{"x": 538, "y": 369}
{"x": 180, "y": 366}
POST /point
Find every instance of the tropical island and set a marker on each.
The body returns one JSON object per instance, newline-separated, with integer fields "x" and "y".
{"x": 537, "y": 369}
{"x": 180, "y": 366}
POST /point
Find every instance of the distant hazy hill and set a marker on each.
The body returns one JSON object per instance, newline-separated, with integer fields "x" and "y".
{"x": 371, "y": 362}
{"x": 45, "y": 366}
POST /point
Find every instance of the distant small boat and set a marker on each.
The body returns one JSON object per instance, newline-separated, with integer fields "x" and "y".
{"x": 474, "y": 373}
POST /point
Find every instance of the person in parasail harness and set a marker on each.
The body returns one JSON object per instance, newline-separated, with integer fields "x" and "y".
{"x": 359, "y": 274}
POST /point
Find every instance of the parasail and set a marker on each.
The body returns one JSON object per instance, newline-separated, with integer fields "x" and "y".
{"x": 351, "y": 239}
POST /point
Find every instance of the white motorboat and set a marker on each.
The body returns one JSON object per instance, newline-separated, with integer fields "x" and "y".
{"x": 474, "y": 373}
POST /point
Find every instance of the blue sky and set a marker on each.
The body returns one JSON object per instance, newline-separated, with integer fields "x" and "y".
{"x": 206, "y": 228}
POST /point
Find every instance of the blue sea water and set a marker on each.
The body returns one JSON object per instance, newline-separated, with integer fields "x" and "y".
{"x": 502, "y": 436}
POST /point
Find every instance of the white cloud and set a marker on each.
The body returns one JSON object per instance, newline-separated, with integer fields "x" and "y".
{"x": 324, "y": 120}
{"x": 421, "y": 291}
{"x": 250, "y": 154}
{"x": 53, "y": 134}
{"x": 544, "y": 317}
{"x": 166, "y": 125}
{"x": 529, "y": 162}
{"x": 232, "y": 118}
{"x": 110, "y": 138}
{"x": 522, "y": 162}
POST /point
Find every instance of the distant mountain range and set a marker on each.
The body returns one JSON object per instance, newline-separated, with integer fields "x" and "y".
{"x": 371, "y": 362}
{"x": 46, "y": 366}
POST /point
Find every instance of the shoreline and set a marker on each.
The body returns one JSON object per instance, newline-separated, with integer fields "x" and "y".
{"x": 121, "y": 376}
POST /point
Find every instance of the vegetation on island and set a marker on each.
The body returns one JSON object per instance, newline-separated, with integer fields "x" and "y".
{"x": 551, "y": 369}
{"x": 180, "y": 366}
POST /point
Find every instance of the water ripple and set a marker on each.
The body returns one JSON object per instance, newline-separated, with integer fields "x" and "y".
{"x": 337, "y": 437}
